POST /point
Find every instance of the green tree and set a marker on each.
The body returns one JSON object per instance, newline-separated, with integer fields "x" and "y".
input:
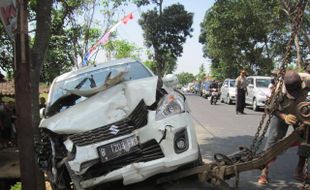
{"x": 202, "y": 73}
{"x": 165, "y": 31}
{"x": 185, "y": 78}
{"x": 74, "y": 29}
{"x": 6, "y": 53}
{"x": 123, "y": 49}
{"x": 151, "y": 65}
{"x": 249, "y": 35}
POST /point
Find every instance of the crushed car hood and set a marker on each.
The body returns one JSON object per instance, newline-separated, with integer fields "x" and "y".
{"x": 104, "y": 107}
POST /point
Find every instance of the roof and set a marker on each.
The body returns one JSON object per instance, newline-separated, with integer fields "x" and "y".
{"x": 93, "y": 67}
{"x": 229, "y": 79}
{"x": 260, "y": 77}
{"x": 8, "y": 88}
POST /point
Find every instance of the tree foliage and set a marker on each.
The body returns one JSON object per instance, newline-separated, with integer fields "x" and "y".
{"x": 165, "y": 31}
{"x": 201, "y": 74}
{"x": 244, "y": 34}
{"x": 185, "y": 78}
{"x": 151, "y": 65}
{"x": 123, "y": 49}
{"x": 6, "y": 53}
{"x": 72, "y": 29}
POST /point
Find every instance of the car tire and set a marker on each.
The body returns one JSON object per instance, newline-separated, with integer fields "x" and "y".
{"x": 254, "y": 105}
{"x": 221, "y": 99}
{"x": 229, "y": 102}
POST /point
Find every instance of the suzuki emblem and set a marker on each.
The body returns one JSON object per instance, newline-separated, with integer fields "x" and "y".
{"x": 113, "y": 129}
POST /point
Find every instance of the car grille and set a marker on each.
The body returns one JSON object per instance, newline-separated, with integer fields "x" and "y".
{"x": 147, "y": 151}
{"x": 137, "y": 119}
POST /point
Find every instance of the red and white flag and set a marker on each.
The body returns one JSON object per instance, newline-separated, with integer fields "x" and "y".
{"x": 105, "y": 38}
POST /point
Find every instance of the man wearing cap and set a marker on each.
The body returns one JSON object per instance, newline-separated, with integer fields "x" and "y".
{"x": 241, "y": 86}
{"x": 294, "y": 91}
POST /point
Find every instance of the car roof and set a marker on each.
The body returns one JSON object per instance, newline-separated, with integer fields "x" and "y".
{"x": 93, "y": 67}
{"x": 260, "y": 77}
{"x": 229, "y": 79}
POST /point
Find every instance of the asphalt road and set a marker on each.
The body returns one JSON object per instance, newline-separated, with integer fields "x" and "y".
{"x": 220, "y": 130}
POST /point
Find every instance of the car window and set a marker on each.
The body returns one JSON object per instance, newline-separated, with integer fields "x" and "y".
{"x": 262, "y": 83}
{"x": 206, "y": 85}
{"x": 232, "y": 83}
{"x": 225, "y": 82}
{"x": 250, "y": 81}
{"x": 95, "y": 78}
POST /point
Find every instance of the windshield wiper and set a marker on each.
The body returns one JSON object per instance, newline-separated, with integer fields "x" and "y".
{"x": 78, "y": 86}
{"x": 109, "y": 82}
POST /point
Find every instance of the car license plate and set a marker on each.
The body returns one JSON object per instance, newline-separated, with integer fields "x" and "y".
{"x": 117, "y": 149}
{"x": 214, "y": 93}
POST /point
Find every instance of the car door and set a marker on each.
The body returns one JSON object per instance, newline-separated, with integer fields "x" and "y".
{"x": 250, "y": 90}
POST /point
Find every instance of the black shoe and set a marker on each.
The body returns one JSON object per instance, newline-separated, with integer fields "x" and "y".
{"x": 243, "y": 113}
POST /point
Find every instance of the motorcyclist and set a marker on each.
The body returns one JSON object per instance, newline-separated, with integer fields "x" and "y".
{"x": 212, "y": 86}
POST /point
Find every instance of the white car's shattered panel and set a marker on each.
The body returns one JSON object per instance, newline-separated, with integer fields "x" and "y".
{"x": 103, "y": 108}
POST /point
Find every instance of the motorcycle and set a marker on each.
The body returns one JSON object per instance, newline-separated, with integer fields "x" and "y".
{"x": 214, "y": 95}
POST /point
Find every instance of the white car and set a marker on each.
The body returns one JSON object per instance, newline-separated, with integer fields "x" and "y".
{"x": 185, "y": 89}
{"x": 110, "y": 122}
{"x": 258, "y": 91}
{"x": 228, "y": 91}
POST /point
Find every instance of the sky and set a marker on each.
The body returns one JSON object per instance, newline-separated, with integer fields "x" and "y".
{"x": 192, "y": 56}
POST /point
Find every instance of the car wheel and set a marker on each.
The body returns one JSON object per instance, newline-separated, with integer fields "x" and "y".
{"x": 221, "y": 99}
{"x": 255, "y": 107}
{"x": 228, "y": 99}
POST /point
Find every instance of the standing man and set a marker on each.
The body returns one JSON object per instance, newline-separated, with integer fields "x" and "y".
{"x": 42, "y": 103}
{"x": 241, "y": 85}
{"x": 295, "y": 91}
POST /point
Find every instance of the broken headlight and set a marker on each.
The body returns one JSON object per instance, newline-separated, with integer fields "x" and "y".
{"x": 171, "y": 104}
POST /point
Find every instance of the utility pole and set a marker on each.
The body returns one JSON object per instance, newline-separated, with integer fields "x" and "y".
{"x": 24, "y": 111}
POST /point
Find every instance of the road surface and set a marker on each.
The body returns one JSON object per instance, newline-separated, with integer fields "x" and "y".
{"x": 219, "y": 129}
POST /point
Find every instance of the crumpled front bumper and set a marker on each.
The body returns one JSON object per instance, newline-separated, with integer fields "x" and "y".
{"x": 163, "y": 131}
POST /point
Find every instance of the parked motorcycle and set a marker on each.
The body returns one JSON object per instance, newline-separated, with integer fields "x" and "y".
{"x": 214, "y": 95}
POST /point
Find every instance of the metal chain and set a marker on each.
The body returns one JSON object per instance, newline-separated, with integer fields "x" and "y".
{"x": 273, "y": 102}
{"x": 306, "y": 172}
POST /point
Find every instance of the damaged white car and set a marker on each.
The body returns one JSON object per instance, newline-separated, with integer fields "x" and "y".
{"x": 113, "y": 122}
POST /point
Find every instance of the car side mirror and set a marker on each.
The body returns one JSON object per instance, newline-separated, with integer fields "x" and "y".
{"x": 251, "y": 86}
{"x": 42, "y": 113}
{"x": 170, "y": 80}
